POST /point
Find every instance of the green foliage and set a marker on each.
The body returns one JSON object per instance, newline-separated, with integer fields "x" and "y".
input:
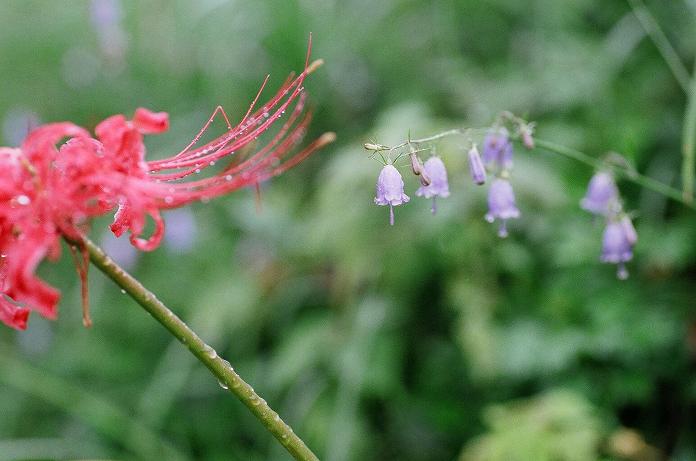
{"x": 557, "y": 425}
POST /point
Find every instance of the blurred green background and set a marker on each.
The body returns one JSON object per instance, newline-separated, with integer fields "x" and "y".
{"x": 431, "y": 340}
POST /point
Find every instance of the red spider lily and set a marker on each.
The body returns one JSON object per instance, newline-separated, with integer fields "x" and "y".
{"x": 50, "y": 189}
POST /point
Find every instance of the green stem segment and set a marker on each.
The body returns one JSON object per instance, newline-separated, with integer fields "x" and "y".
{"x": 628, "y": 174}
{"x": 689, "y": 142}
{"x": 222, "y": 370}
{"x": 657, "y": 35}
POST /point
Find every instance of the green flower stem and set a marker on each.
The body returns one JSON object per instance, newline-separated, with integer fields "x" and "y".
{"x": 657, "y": 35}
{"x": 629, "y": 174}
{"x": 689, "y": 142}
{"x": 220, "y": 368}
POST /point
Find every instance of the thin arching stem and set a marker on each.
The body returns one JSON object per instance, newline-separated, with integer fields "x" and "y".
{"x": 621, "y": 170}
{"x": 628, "y": 174}
{"x": 219, "y": 367}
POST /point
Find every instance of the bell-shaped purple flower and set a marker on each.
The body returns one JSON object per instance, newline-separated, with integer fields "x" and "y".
{"x": 602, "y": 194}
{"x": 617, "y": 244}
{"x": 501, "y": 204}
{"x": 497, "y": 149}
{"x": 390, "y": 190}
{"x": 478, "y": 172}
{"x": 439, "y": 186}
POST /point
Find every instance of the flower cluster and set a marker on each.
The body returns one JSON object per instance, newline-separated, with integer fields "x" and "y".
{"x": 61, "y": 176}
{"x": 602, "y": 199}
{"x": 497, "y": 160}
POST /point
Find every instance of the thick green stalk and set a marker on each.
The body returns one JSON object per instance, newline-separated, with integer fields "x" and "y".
{"x": 219, "y": 367}
{"x": 630, "y": 175}
{"x": 689, "y": 142}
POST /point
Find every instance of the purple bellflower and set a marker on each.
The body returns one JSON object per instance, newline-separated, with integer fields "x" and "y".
{"x": 497, "y": 149}
{"x": 478, "y": 172}
{"x": 602, "y": 194}
{"x": 390, "y": 190}
{"x": 439, "y": 186}
{"x": 617, "y": 244}
{"x": 501, "y": 204}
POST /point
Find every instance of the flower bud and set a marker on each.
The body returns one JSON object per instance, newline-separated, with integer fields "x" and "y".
{"x": 478, "y": 172}
{"x": 416, "y": 165}
{"x": 526, "y": 131}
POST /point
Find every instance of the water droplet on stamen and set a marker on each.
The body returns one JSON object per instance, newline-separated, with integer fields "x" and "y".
{"x": 23, "y": 200}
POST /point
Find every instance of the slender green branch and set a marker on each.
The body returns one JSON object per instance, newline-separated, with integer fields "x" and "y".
{"x": 628, "y": 174}
{"x": 689, "y": 142}
{"x": 656, "y": 34}
{"x": 219, "y": 367}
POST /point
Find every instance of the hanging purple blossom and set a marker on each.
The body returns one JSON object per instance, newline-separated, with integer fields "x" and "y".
{"x": 497, "y": 149}
{"x": 501, "y": 204}
{"x": 602, "y": 194}
{"x": 617, "y": 244}
{"x": 478, "y": 172}
{"x": 439, "y": 186}
{"x": 390, "y": 190}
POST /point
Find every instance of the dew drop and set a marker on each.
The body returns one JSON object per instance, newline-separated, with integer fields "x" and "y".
{"x": 223, "y": 385}
{"x": 228, "y": 177}
{"x": 23, "y": 200}
{"x": 212, "y": 163}
{"x": 210, "y": 352}
{"x": 123, "y": 291}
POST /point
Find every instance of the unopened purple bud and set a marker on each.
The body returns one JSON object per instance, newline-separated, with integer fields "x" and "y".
{"x": 501, "y": 204}
{"x": 390, "y": 190}
{"x": 424, "y": 178}
{"x": 478, "y": 172}
{"x": 526, "y": 131}
{"x": 617, "y": 244}
{"x": 439, "y": 186}
{"x": 601, "y": 194}
{"x": 416, "y": 165}
{"x": 497, "y": 149}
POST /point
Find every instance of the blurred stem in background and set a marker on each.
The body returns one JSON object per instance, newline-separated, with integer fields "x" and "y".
{"x": 103, "y": 415}
{"x": 689, "y": 141}
{"x": 688, "y": 84}
{"x": 657, "y": 35}
{"x": 220, "y": 368}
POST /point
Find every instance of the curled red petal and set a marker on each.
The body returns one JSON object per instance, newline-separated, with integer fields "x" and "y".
{"x": 12, "y": 315}
{"x": 148, "y": 122}
{"x": 154, "y": 240}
